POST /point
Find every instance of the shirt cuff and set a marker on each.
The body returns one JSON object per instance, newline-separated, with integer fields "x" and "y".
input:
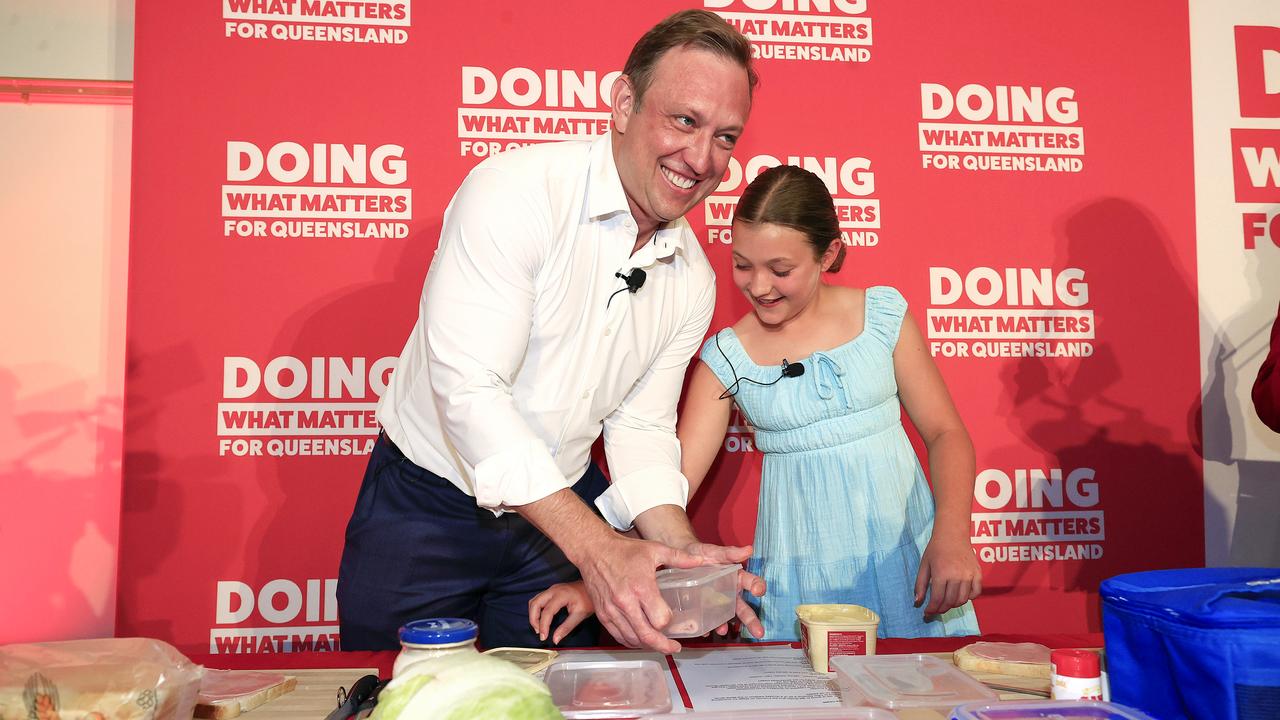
{"x": 517, "y": 476}
{"x": 629, "y": 496}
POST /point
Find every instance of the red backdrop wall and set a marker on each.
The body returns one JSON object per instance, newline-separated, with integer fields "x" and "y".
{"x": 1021, "y": 173}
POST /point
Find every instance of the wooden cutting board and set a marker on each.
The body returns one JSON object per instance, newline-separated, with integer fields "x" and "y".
{"x": 233, "y": 707}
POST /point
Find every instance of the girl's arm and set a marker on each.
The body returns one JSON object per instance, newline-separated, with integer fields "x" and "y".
{"x": 948, "y": 568}
{"x": 702, "y": 425}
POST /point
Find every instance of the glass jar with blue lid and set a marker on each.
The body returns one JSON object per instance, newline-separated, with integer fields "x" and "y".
{"x": 432, "y": 638}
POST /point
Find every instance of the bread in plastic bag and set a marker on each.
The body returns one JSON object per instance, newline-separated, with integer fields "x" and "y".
{"x": 104, "y": 679}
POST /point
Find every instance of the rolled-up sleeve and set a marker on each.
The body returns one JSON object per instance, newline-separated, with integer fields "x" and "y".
{"x": 640, "y": 435}
{"x": 477, "y": 308}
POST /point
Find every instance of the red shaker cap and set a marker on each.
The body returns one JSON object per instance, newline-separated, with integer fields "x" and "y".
{"x": 1076, "y": 663}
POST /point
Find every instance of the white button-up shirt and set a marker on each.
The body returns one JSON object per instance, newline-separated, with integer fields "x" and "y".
{"x": 519, "y": 357}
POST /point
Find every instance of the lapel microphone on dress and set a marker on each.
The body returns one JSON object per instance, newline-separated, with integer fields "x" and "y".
{"x": 792, "y": 369}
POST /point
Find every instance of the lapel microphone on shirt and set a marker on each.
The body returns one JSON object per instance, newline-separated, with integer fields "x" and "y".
{"x": 635, "y": 280}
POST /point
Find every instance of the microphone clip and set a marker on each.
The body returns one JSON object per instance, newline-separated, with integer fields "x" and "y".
{"x": 792, "y": 370}
{"x": 635, "y": 279}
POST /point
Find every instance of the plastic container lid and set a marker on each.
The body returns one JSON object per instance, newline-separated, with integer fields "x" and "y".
{"x": 673, "y": 578}
{"x": 530, "y": 660}
{"x": 906, "y": 681}
{"x": 1033, "y": 710}
{"x": 833, "y": 713}
{"x": 608, "y": 688}
{"x": 1076, "y": 663}
{"x": 438, "y": 631}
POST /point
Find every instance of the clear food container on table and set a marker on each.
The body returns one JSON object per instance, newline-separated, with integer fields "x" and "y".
{"x": 1047, "y": 709}
{"x": 701, "y": 599}
{"x": 608, "y": 688}
{"x": 899, "y": 682}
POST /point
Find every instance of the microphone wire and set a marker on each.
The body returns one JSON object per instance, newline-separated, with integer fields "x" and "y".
{"x": 733, "y": 389}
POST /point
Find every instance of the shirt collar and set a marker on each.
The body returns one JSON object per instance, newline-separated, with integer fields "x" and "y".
{"x": 606, "y": 198}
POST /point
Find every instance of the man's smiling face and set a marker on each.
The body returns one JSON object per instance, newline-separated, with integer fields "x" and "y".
{"x": 672, "y": 148}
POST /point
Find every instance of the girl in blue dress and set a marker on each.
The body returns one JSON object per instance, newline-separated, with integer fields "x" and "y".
{"x": 823, "y": 372}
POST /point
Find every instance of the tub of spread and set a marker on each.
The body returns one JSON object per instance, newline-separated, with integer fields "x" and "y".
{"x": 828, "y": 631}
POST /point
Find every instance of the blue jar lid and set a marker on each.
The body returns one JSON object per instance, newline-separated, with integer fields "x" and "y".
{"x": 438, "y": 631}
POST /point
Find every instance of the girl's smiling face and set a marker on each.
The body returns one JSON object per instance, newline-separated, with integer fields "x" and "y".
{"x": 775, "y": 267}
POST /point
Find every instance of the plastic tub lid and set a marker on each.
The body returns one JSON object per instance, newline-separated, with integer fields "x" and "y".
{"x": 1033, "y": 710}
{"x": 678, "y": 577}
{"x": 907, "y": 681}
{"x": 837, "y": 615}
{"x": 608, "y": 688}
{"x": 832, "y": 713}
{"x": 438, "y": 631}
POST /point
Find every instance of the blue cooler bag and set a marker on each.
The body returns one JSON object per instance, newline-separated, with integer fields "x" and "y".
{"x": 1197, "y": 643}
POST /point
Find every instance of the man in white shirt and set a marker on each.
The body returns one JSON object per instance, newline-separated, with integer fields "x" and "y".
{"x": 566, "y": 297}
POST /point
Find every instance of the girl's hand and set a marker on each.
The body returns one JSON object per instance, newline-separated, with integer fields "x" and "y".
{"x": 949, "y": 571}
{"x": 544, "y": 606}
{"x": 747, "y": 582}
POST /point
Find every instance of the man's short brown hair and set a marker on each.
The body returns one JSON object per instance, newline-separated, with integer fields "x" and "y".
{"x": 687, "y": 28}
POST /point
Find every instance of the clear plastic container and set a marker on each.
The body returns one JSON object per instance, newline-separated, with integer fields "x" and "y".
{"x": 906, "y": 681}
{"x": 431, "y": 638}
{"x": 608, "y": 688}
{"x": 1035, "y": 710}
{"x": 839, "y": 713}
{"x": 701, "y": 599}
{"x": 830, "y": 630}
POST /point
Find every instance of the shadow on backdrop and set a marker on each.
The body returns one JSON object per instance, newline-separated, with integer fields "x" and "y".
{"x": 1092, "y": 412}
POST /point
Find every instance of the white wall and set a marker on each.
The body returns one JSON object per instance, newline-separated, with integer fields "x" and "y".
{"x": 64, "y": 197}
{"x": 1239, "y": 289}
{"x": 82, "y": 39}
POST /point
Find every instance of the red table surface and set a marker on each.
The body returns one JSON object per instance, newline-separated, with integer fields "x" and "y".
{"x": 382, "y": 660}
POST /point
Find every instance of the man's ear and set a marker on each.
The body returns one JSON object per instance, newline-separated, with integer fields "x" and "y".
{"x": 623, "y": 100}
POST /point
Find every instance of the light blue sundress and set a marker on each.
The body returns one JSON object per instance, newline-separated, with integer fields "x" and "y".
{"x": 845, "y": 511}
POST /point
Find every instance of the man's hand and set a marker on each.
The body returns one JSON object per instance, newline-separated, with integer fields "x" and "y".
{"x": 670, "y": 524}
{"x": 950, "y": 573}
{"x": 620, "y": 575}
{"x": 619, "y": 572}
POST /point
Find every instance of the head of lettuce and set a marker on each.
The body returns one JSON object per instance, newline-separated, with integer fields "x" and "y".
{"x": 465, "y": 686}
